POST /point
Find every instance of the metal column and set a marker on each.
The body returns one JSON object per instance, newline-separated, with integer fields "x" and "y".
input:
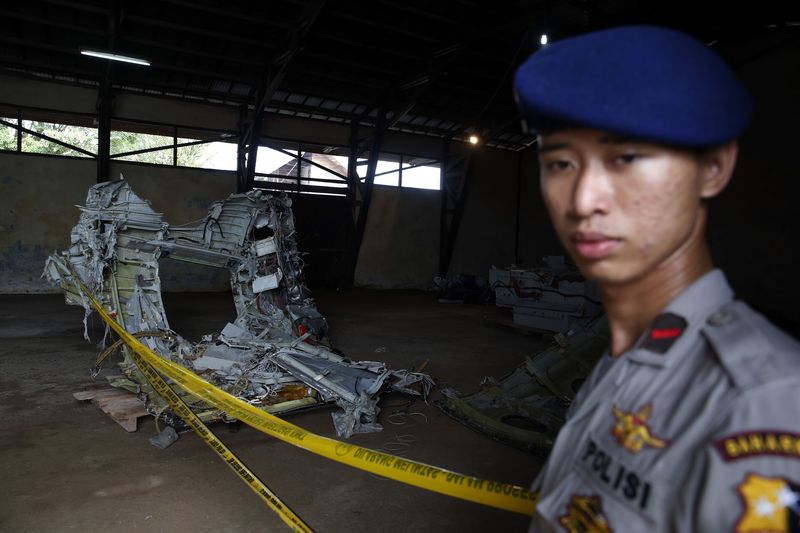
{"x": 360, "y": 195}
{"x": 456, "y": 174}
{"x": 104, "y": 100}
{"x": 269, "y": 82}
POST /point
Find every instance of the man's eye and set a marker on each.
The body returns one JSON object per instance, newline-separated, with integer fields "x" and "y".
{"x": 557, "y": 166}
{"x": 627, "y": 159}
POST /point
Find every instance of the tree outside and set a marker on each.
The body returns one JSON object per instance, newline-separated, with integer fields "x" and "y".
{"x": 8, "y": 136}
{"x": 87, "y": 139}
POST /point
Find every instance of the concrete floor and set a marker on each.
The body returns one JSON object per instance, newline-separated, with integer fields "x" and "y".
{"x": 66, "y": 466}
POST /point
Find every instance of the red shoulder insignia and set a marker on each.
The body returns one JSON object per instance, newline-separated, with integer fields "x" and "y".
{"x": 666, "y": 329}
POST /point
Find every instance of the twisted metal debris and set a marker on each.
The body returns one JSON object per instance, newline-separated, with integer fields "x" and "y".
{"x": 274, "y": 355}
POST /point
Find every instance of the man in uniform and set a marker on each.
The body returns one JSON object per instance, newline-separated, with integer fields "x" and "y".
{"x": 691, "y": 421}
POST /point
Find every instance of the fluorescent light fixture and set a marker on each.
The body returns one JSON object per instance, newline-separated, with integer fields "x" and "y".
{"x": 543, "y": 40}
{"x": 473, "y": 139}
{"x": 116, "y": 57}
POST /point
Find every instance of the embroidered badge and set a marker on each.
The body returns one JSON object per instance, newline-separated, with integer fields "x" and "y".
{"x": 585, "y": 515}
{"x": 758, "y": 442}
{"x": 666, "y": 329}
{"x": 632, "y": 432}
{"x": 770, "y": 504}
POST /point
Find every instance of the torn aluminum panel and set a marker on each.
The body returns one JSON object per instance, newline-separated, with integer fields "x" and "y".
{"x": 551, "y": 297}
{"x": 526, "y": 408}
{"x": 274, "y": 355}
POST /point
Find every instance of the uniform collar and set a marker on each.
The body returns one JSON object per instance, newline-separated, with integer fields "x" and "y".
{"x": 675, "y": 326}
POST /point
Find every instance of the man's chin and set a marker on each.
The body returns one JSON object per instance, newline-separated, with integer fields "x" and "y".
{"x": 604, "y": 271}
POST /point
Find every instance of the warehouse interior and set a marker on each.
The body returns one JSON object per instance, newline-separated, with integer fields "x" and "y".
{"x": 392, "y": 127}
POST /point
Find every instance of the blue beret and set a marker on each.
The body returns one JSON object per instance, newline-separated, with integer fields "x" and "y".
{"x": 645, "y": 82}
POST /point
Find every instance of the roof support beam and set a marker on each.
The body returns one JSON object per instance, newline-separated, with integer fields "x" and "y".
{"x": 197, "y": 31}
{"x": 270, "y": 82}
{"x": 105, "y": 101}
{"x": 229, "y": 13}
{"x": 241, "y": 151}
{"x": 361, "y": 205}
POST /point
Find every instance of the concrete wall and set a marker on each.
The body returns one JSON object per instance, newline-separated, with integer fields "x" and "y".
{"x": 537, "y": 238}
{"x": 183, "y": 195}
{"x": 401, "y": 241}
{"x": 38, "y": 200}
{"x": 487, "y": 232}
{"x": 39, "y": 195}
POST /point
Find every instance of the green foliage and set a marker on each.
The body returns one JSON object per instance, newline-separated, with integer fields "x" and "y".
{"x": 79, "y": 136}
{"x": 87, "y": 139}
{"x": 127, "y": 141}
{"x": 8, "y": 136}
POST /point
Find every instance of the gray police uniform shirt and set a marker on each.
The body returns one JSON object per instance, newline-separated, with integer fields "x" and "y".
{"x": 695, "y": 428}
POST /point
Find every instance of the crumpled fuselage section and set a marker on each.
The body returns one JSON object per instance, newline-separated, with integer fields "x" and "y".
{"x": 527, "y": 407}
{"x": 274, "y": 355}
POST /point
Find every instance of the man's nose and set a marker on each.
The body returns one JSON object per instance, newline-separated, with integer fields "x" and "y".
{"x": 591, "y": 192}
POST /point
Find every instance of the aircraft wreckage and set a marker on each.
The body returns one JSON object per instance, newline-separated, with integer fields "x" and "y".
{"x": 274, "y": 355}
{"x": 528, "y": 406}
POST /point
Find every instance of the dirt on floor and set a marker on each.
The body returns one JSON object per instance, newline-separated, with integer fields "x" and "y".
{"x": 69, "y": 467}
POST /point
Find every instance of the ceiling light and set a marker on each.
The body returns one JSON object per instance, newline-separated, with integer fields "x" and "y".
{"x": 543, "y": 40}
{"x": 473, "y": 139}
{"x": 116, "y": 57}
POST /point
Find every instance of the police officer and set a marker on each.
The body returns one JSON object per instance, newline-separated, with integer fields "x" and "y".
{"x": 691, "y": 421}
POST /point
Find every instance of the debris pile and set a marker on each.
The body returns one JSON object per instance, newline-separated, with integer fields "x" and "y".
{"x": 551, "y": 297}
{"x": 274, "y": 355}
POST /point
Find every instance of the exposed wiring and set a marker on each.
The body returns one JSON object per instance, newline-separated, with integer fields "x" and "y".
{"x": 400, "y": 443}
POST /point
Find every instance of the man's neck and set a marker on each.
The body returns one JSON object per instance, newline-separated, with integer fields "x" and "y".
{"x": 632, "y": 307}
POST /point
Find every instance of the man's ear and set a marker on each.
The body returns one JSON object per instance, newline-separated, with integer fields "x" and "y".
{"x": 718, "y": 165}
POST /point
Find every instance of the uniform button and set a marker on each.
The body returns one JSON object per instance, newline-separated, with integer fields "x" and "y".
{"x": 720, "y": 318}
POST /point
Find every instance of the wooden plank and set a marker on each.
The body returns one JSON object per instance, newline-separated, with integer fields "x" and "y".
{"x": 122, "y": 406}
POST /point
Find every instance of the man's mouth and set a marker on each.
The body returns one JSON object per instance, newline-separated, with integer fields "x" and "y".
{"x": 594, "y": 245}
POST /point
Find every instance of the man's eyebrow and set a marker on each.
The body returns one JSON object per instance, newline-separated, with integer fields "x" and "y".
{"x": 552, "y": 147}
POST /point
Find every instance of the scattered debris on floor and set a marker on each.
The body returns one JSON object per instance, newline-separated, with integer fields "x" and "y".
{"x": 275, "y": 355}
{"x": 462, "y": 289}
{"x": 526, "y": 408}
{"x": 552, "y": 297}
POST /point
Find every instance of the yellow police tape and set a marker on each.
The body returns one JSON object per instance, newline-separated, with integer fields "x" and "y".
{"x": 181, "y": 409}
{"x": 492, "y": 493}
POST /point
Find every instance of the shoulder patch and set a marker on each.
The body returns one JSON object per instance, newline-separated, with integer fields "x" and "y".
{"x": 758, "y": 442}
{"x": 666, "y": 329}
{"x": 770, "y": 504}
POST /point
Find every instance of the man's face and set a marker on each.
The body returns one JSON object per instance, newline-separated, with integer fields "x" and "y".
{"x": 621, "y": 207}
